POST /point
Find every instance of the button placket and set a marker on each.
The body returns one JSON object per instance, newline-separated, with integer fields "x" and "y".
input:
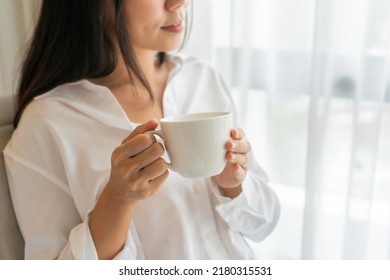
{"x": 206, "y": 225}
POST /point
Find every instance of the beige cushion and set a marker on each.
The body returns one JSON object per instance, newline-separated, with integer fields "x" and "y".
{"x": 11, "y": 241}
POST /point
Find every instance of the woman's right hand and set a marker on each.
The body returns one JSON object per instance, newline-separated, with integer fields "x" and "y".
{"x": 137, "y": 167}
{"x": 137, "y": 171}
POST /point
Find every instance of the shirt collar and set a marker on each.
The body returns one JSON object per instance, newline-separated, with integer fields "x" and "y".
{"x": 98, "y": 102}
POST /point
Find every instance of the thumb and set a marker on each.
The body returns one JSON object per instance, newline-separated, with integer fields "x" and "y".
{"x": 142, "y": 128}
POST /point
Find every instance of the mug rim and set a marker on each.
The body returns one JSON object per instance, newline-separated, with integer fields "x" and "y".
{"x": 201, "y": 116}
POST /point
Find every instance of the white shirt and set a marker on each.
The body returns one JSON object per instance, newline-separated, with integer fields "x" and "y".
{"x": 58, "y": 162}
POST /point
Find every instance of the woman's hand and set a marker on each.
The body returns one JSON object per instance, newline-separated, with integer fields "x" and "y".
{"x": 138, "y": 169}
{"x": 234, "y": 173}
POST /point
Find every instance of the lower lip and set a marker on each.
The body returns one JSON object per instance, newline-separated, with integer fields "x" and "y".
{"x": 174, "y": 28}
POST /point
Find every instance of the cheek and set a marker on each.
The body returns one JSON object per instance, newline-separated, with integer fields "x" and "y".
{"x": 139, "y": 29}
{"x": 143, "y": 36}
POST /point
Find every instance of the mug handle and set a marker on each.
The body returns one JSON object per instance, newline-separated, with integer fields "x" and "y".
{"x": 159, "y": 133}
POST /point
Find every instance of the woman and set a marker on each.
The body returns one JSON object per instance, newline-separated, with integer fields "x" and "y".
{"x": 87, "y": 182}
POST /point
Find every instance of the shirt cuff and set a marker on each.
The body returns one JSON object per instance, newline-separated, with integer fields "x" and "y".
{"x": 253, "y": 213}
{"x": 83, "y": 247}
{"x": 228, "y": 207}
{"x": 81, "y": 243}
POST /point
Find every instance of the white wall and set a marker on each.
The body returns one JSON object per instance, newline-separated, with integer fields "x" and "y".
{"x": 16, "y": 22}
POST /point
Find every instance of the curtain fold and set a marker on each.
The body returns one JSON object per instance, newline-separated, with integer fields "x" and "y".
{"x": 312, "y": 79}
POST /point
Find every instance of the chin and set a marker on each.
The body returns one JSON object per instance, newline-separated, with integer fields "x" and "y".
{"x": 170, "y": 45}
{"x": 169, "y": 48}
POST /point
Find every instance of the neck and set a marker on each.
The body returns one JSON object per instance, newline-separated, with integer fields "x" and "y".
{"x": 148, "y": 62}
{"x": 149, "y": 67}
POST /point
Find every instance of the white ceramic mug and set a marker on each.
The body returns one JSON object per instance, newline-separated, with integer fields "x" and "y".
{"x": 196, "y": 142}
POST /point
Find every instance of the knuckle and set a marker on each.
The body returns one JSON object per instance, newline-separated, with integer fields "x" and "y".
{"x": 122, "y": 174}
{"x": 161, "y": 164}
{"x": 117, "y": 151}
{"x": 140, "y": 180}
{"x": 158, "y": 148}
{"x": 132, "y": 165}
{"x": 146, "y": 139}
{"x": 115, "y": 160}
{"x": 127, "y": 168}
{"x": 158, "y": 166}
{"x": 135, "y": 165}
{"x": 144, "y": 193}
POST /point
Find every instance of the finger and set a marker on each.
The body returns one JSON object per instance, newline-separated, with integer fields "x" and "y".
{"x": 153, "y": 171}
{"x": 238, "y": 146}
{"x": 154, "y": 184}
{"x": 159, "y": 180}
{"x": 148, "y": 126}
{"x": 137, "y": 141}
{"x": 136, "y": 145}
{"x": 239, "y": 173}
{"x": 237, "y": 133}
{"x": 149, "y": 178}
{"x": 241, "y": 159}
{"x": 146, "y": 157}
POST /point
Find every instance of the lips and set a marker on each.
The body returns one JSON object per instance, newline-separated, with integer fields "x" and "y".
{"x": 175, "y": 28}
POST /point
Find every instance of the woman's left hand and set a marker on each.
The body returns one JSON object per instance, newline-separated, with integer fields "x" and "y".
{"x": 236, "y": 167}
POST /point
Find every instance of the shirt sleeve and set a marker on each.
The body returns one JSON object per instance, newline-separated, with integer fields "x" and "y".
{"x": 48, "y": 218}
{"x": 255, "y": 212}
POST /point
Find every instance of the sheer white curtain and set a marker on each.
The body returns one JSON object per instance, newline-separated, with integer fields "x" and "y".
{"x": 312, "y": 81}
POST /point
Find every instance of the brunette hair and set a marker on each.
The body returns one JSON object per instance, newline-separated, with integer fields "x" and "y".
{"x": 72, "y": 42}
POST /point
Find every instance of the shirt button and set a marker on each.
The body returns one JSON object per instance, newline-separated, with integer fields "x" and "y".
{"x": 197, "y": 189}
{"x": 211, "y": 236}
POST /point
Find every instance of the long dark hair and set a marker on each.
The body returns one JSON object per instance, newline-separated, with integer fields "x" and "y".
{"x": 72, "y": 42}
